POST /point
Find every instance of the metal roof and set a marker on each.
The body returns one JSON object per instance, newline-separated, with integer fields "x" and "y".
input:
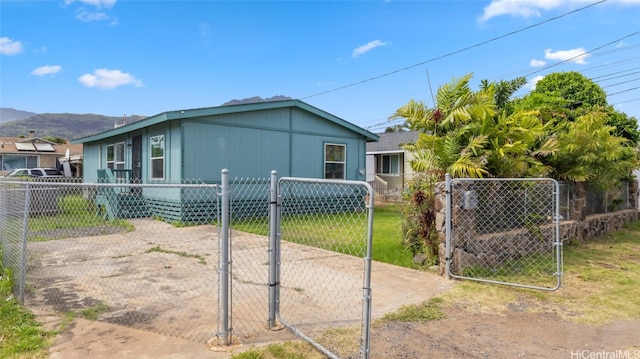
{"x": 220, "y": 110}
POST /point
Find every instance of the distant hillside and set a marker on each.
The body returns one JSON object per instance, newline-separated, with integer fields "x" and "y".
{"x": 9, "y": 114}
{"x": 65, "y": 125}
{"x": 256, "y": 99}
{"x": 70, "y": 126}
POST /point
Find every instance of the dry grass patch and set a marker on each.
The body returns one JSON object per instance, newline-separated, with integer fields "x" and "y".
{"x": 601, "y": 284}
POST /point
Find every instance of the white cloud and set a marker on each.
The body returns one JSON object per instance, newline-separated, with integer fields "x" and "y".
{"x": 46, "y": 70}
{"x": 534, "y": 8}
{"x": 95, "y": 11}
{"x": 578, "y": 55}
{"x": 531, "y": 85}
{"x": 10, "y": 47}
{"x": 537, "y": 63}
{"x": 361, "y": 50}
{"x": 97, "y": 3}
{"x": 89, "y": 16}
{"x": 109, "y": 79}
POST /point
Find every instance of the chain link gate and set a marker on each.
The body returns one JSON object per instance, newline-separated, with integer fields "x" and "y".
{"x": 323, "y": 281}
{"x": 504, "y": 231}
{"x": 146, "y": 255}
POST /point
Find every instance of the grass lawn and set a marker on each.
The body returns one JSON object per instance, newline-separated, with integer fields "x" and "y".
{"x": 601, "y": 285}
{"x": 76, "y": 217}
{"x": 21, "y": 336}
{"x": 387, "y": 237}
{"x": 344, "y": 233}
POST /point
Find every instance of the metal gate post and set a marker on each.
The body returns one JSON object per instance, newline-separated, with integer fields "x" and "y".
{"x": 223, "y": 264}
{"x": 447, "y": 226}
{"x": 365, "y": 348}
{"x": 274, "y": 282}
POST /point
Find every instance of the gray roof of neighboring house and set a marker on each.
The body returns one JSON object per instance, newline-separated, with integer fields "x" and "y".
{"x": 392, "y": 141}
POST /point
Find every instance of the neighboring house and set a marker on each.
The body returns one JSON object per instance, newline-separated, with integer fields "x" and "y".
{"x": 32, "y": 152}
{"x": 250, "y": 140}
{"x": 388, "y": 164}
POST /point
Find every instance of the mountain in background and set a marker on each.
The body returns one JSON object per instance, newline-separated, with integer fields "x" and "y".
{"x": 64, "y": 125}
{"x": 70, "y": 126}
{"x": 256, "y": 99}
{"x": 9, "y": 114}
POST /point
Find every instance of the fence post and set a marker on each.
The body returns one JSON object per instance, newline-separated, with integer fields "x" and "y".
{"x": 447, "y": 226}
{"x": 367, "y": 295}
{"x": 223, "y": 263}
{"x": 23, "y": 257}
{"x": 274, "y": 281}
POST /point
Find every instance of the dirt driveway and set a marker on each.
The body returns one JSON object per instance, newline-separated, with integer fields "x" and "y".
{"x": 462, "y": 334}
{"x": 123, "y": 270}
{"x": 162, "y": 279}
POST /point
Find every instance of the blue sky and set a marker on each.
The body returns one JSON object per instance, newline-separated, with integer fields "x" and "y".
{"x": 358, "y": 60}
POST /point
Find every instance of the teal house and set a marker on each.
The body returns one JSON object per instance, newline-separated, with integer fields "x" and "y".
{"x": 250, "y": 140}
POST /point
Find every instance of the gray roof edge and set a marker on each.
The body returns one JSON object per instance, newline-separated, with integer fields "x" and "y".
{"x": 218, "y": 110}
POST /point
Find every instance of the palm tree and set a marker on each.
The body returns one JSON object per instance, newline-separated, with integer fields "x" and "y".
{"x": 464, "y": 136}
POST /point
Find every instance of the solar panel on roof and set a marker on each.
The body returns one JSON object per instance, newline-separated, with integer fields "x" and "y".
{"x": 44, "y": 147}
{"x": 25, "y": 146}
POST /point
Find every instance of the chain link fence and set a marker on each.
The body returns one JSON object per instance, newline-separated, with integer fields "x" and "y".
{"x": 249, "y": 258}
{"x": 198, "y": 261}
{"x": 504, "y": 231}
{"x": 325, "y": 259}
{"x": 115, "y": 259}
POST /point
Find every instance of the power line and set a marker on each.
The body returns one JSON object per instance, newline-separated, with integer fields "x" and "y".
{"x": 620, "y": 83}
{"x": 583, "y": 54}
{"x": 631, "y": 100}
{"x": 623, "y": 91}
{"x": 457, "y": 51}
{"x": 599, "y": 78}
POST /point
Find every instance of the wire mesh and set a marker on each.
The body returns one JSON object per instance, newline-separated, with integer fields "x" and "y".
{"x": 12, "y": 229}
{"x": 324, "y": 230}
{"x": 138, "y": 255}
{"x": 249, "y": 257}
{"x": 505, "y": 231}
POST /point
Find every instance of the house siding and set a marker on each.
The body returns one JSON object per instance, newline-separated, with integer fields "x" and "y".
{"x": 289, "y": 139}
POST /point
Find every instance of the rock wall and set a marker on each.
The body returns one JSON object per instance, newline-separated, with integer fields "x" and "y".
{"x": 504, "y": 244}
{"x": 596, "y": 225}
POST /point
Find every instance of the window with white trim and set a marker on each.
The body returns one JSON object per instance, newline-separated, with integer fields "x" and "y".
{"x": 335, "y": 157}
{"x": 157, "y": 157}
{"x": 120, "y": 155}
{"x": 115, "y": 156}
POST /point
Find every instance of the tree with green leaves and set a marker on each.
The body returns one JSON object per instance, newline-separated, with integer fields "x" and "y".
{"x": 467, "y": 135}
{"x": 596, "y": 143}
{"x": 590, "y": 151}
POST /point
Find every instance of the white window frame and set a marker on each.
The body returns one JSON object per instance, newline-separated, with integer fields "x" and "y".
{"x": 334, "y": 161}
{"x": 155, "y": 159}
{"x": 120, "y": 156}
{"x": 111, "y": 162}
{"x": 117, "y": 159}
{"x": 391, "y": 171}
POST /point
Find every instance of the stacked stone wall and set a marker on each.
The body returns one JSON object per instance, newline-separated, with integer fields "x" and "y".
{"x": 503, "y": 244}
